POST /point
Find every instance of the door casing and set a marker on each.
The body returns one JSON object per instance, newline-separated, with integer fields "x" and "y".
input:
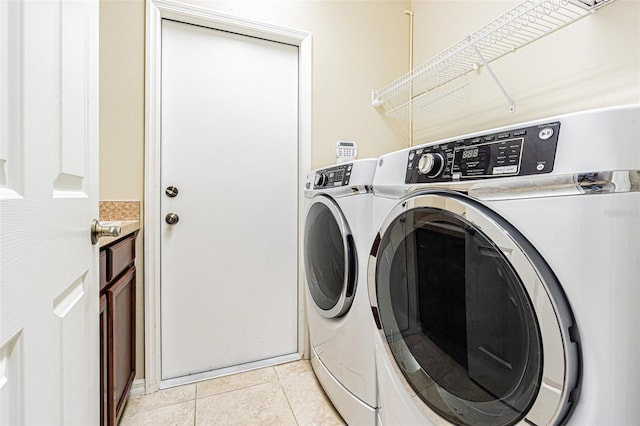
{"x": 157, "y": 10}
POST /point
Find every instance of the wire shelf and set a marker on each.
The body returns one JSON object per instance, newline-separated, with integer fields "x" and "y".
{"x": 518, "y": 27}
{"x": 442, "y": 97}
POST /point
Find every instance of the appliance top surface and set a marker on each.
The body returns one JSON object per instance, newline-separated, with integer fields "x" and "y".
{"x": 591, "y": 141}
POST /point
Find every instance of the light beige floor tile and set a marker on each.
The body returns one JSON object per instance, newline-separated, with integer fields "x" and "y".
{"x": 181, "y": 414}
{"x": 264, "y": 404}
{"x": 236, "y": 381}
{"x": 161, "y": 399}
{"x": 309, "y": 403}
{"x": 293, "y": 368}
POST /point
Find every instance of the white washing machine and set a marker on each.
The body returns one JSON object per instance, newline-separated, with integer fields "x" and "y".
{"x": 505, "y": 275}
{"x": 337, "y": 238}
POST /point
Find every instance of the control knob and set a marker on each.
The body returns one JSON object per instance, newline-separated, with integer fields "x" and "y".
{"x": 321, "y": 179}
{"x": 431, "y": 164}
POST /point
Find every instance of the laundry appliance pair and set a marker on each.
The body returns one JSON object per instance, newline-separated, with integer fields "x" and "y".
{"x": 485, "y": 279}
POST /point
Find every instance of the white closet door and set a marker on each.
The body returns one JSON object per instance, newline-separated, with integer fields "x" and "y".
{"x": 230, "y": 147}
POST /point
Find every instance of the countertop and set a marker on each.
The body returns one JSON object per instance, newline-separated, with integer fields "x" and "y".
{"x": 127, "y": 227}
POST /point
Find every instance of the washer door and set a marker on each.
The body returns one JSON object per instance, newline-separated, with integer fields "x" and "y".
{"x": 329, "y": 258}
{"x": 471, "y": 314}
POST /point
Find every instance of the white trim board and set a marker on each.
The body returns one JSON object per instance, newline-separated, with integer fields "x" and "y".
{"x": 156, "y": 11}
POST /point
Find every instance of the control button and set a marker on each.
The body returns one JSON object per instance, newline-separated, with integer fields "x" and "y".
{"x": 489, "y": 138}
{"x": 540, "y": 167}
{"x": 321, "y": 179}
{"x": 519, "y": 133}
{"x": 504, "y": 136}
{"x": 411, "y": 155}
{"x": 545, "y": 133}
{"x": 431, "y": 164}
{"x": 505, "y": 170}
{"x": 410, "y": 166}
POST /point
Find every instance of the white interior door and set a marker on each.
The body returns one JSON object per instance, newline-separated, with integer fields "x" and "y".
{"x": 229, "y": 267}
{"x": 49, "y": 333}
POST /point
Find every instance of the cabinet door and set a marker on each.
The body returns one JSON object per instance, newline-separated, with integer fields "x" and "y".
{"x": 121, "y": 303}
{"x": 104, "y": 367}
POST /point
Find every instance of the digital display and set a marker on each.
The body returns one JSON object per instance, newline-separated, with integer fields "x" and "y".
{"x": 470, "y": 153}
{"x": 346, "y": 143}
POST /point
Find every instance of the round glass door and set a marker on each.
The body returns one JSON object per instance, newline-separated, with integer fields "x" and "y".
{"x": 329, "y": 258}
{"x": 458, "y": 317}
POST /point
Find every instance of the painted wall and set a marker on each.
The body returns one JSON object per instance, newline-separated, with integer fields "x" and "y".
{"x": 594, "y": 62}
{"x": 122, "y": 123}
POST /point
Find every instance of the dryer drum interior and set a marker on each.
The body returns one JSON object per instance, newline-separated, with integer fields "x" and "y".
{"x": 462, "y": 315}
{"x": 330, "y": 258}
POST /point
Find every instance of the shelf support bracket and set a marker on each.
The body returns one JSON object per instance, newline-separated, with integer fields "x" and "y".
{"x": 512, "y": 105}
{"x": 375, "y": 100}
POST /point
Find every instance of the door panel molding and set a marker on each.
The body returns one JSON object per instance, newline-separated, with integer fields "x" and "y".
{"x": 11, "y": 70}
{"x": 156, "y": 11}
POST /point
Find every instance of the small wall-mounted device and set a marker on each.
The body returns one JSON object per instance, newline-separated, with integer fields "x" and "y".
{"x": 346, "y": 151}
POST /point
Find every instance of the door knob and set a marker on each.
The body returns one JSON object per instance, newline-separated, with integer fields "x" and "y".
{"x": 172, "y": 218}
{"x": 98, "y": 230}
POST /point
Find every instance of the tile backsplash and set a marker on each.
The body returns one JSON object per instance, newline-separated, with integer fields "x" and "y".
{"x": 119, "y": 210}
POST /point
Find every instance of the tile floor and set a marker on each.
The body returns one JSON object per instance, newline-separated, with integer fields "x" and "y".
{"x": 287, "y": 394}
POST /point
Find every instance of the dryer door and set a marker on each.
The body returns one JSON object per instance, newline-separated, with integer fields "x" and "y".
{"x": 471, "y": 314}
{"x": 329, "y": 258}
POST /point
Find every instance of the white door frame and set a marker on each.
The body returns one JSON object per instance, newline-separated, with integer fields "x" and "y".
{"x": 190, "y": 14}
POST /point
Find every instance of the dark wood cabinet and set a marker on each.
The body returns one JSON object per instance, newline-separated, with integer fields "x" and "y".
{"x": 104, "y": 391}
{"x": 117, "y": 327}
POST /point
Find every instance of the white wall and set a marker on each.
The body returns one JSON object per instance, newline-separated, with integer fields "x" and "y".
{"x": 594, "y": 62}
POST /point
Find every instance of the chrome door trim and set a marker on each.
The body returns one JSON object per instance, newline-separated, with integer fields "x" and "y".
{"x": 560, "y": 341}
{"x": 537, "y": 186}
{"x": 350, "y": 261}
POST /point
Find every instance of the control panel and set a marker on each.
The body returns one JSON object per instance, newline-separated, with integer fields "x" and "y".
{"x": 517, "y": 152}
{"x": 333, "y": 176}
{"x": 346, "y": 151}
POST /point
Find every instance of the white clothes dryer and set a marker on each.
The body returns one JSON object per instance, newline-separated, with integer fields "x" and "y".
{"x": 337, "y": 237}
{"x": 504, "y": 275}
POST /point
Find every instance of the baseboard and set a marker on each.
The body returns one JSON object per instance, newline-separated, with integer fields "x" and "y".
{"x": 137, "y": 388}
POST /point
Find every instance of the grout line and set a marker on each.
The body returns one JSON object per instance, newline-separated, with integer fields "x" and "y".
{"x": 195, "y": 409}
{"x": 288, "y": 401}
{"x": 195, "y": 406}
